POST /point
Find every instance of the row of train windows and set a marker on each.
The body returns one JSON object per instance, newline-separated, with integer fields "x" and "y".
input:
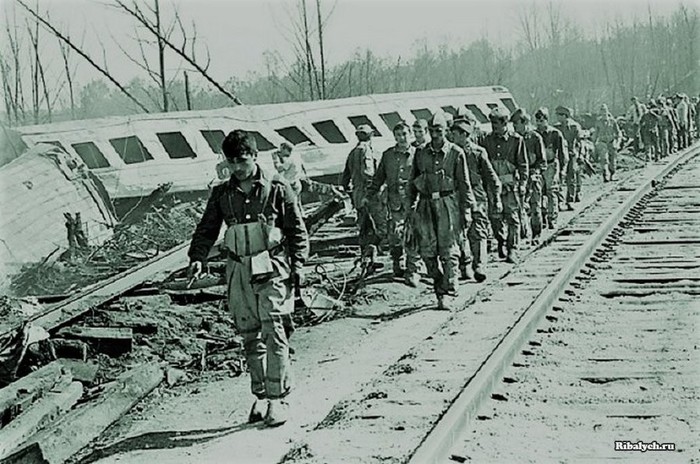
{"x": 132, "y": 151}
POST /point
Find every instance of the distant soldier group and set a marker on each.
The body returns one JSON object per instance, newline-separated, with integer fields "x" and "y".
{"x": 453, "y": 187}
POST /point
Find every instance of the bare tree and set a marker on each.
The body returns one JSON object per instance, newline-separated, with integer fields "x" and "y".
{"x": 181, "y": 50}
{"x": 80, "y": 52}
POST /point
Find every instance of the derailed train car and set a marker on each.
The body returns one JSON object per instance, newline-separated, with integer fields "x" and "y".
{"x": 134, "y": 155}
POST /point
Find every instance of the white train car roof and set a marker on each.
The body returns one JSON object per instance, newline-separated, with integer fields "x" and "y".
{"x": 133, "y": 155}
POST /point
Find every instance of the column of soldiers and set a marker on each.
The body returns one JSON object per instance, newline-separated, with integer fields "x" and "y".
{"x": 453, "y": 187}
{"x": 665, "y": 125}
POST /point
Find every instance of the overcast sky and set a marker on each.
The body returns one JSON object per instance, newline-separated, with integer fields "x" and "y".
{"x": 238, "y": 32}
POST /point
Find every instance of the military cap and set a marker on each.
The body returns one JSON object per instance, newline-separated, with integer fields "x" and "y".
{"x": 563, "y": 110}
{"x": 542, "y": 111}
{"x": 422, "y": 123}
{"x": 464, "y": 125}
{"x": 498, "y": 113}
{"x": 438, "y": 119}
{"x": 364, "y": 129}
{"x": 520, "y": 114}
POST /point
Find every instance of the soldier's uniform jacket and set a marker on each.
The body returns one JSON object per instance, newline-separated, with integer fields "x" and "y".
{"x": 534, "y": 145}
{"x": 508, "y": 158}
{"x": 607, "y": 130}
{"x": 483, "y": 178}
{"x": 359, "y": 171}
{"x": 395, "y": 170}
{"x": 555, "y": 147}
{"x": 649, "y": 122}
{"x": 571, "y": 130}
{"x": 445, "y": 199}
{"x": 271, "y": 204}
{"x": 665, "y": 119}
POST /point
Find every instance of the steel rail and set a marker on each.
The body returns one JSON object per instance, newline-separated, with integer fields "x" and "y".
{"x": 444, "y": 434}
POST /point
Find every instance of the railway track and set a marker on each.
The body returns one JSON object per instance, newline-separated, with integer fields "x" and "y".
{"x": 618, "y": 368}
{"x": 434, "y": 393}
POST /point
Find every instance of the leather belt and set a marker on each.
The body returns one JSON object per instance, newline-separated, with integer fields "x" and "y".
{"x": 436, "y": 195}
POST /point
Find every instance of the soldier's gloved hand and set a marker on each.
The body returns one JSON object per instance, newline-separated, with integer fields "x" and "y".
{"x": 194, "y": 271}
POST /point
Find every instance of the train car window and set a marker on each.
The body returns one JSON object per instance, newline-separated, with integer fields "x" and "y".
{"x": 330, "y": 132}
{"x": 214, "y": 139}
{"x": 449, "y": 109}
{"x": 176, "y": 145}
{"x": 262, "y": 143}
{"x": 422, "y": 113}
{"x": 357, "y": 121}
{"x": 477, "y": 112}
{"x": 294, "y": 135}
{"x": 130, "y": 149}
{"x": 391, "y": 119}
{"x": 509, "y": 103}
{"x": 91, "y": 155}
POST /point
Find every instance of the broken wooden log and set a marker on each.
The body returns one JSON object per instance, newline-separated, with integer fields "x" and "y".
{"x": 18, "y": 395}
{"x": 84, "y": 372}
{"x": 69, "y": 434}
{"x": 38, "y": 416}
{"x": 113, "y": 341}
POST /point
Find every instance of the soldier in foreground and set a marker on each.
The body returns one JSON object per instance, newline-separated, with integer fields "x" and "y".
{"x": 266, "y": 244}
{"x": 506, "y": 151}
{"x": 537, "y": 163}
{"x": 485, "y": 185}
{"x": 395, "y": 170}
{"x": 440, "y": 184}
{"x": 557, "y": 158}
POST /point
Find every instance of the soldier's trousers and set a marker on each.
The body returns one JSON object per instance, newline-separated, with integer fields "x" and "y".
{"x": 397, "y": 224}
{"x": 534, "y": 203}
{"x": 506, "y": 226}
{"x": 477, "y": 235}
{"x": 260, "y": 312}
{"x": 551, "y": 191}
{"x": 371, "y": 220}
{"x": 682, "y": 137}
{"x": 651, "y": 145}
{"x": 664, "y": 141}
{"x": 573, "y": 178}
{"x": 607, "y": 157}
{"x": 442, "y": 269}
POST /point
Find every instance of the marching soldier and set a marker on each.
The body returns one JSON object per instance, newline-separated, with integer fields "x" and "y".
{"x": 506, "y": 151}
{"x": 607, "y": 137}
{"x": 649, "y": 132}
{"x": 266, "y": 243}
{"x": 360, "y": 168}
{"x": 395, "y": 170}
{"x": 537, "y": 162}
{"x": 485, "y": 185}
{"x": 440, "y": 184}
{"x": 557, "y": 158}
{"x": 571, "y": 130}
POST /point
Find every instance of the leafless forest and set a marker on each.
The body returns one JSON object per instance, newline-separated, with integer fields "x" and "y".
{"x": 554, "y": 62}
